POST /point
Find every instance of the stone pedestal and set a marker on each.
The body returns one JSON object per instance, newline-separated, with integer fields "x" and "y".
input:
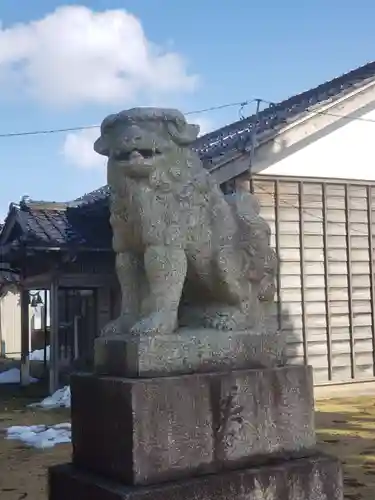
{"x": 216, "y": 434}
{"x": 188, "y": 351}
{"x": 314, "y": 478}
{"x": 144, "y": 431}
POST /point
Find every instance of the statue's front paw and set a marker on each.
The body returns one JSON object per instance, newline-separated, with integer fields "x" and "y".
{"x": 157, "y": 323}
{"x": 220, "y": 322}
{"x": 120, "y": 326}
{"x": 226, "y": 320}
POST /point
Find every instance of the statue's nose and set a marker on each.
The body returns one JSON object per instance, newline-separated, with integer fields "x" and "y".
{"x": 128, "y": 137}
{"x": 134, "y": 134}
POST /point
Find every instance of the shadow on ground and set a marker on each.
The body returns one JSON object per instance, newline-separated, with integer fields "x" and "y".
{"x": 346, "y": 428}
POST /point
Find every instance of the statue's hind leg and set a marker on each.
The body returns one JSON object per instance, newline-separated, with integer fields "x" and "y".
{"x": 229, "y": 268}
{"x": 229, "y": 309}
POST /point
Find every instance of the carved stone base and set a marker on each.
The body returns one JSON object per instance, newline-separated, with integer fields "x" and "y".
{"x": 313, "y": 478}
{"x": 188, "y": 351}
{"x": 145, "y": 431}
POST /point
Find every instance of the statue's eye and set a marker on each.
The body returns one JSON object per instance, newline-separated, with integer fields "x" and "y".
{"x": 108, "y": 128}
{"x": 109, "y": 125}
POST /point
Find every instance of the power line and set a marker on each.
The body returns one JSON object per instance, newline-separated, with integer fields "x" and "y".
{"x": 328, "y": 113}
{"x": 241, "y": 104}
{"x": 313, "y": 216}
{"x": 349, "y": 118}
{"x": 51, "y": 131}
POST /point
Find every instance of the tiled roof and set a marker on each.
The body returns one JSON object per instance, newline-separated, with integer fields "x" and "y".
{"x": 236, "y": 136}
{"x": 84, "y": 222}
{"x": 8, "y": 276}
{"x": 46, "y": 226}
{"x": 94, "y": 197}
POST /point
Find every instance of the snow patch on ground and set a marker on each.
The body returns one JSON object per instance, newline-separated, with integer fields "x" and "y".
{"x": 59, "y": 399}
{"x": 40, "y": 436}
{"x": 13, "y": 376}
{"x": 38, "y": 354}
{"x": 44, "y": 436}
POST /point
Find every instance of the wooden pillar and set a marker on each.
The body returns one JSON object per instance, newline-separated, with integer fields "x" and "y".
{"x": 25, "y": 337}
{"x": 45, "y": 329}
{"x": 54, "y": 337}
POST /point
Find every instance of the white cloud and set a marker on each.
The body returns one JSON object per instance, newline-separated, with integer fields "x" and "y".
{"x": 206, "y": 125}
{"x": 78, "y": 149}
{"x": 78, "y": 146}
{"x": 77, "y": 56}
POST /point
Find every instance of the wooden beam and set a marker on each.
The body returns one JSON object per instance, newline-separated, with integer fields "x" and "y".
{"x": 54, "y": 337}
{"x": 371, "y": 250}
{"x": 301, "y": 203}
{"x": 25, "y": 337}
{"x": 75, "y": 280}
{"x": 45, "y": 306}
{"x": 37, "y": 282}
{"x": 326, "y": 281}
{"x": 278, "y": 248}
{"x": 83, "y": 280}
{"x": 350, "y": 280}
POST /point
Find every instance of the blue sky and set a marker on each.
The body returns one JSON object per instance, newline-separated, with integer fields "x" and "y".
{"x": 62, "y": 65}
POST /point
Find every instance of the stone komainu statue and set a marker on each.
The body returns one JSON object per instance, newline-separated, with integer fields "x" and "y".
{"x": 186, "y": 255}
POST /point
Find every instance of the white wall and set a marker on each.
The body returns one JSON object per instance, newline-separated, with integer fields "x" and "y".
{"x": 10, "y": 317}
{"x": 346, "y": 153}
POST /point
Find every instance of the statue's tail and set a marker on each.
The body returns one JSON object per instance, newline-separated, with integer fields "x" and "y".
{"x": 255, "y": 235}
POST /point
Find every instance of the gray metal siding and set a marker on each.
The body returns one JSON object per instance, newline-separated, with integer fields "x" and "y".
{"x": 324, "y": 235}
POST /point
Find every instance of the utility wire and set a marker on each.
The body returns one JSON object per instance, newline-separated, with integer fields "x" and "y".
{"x": 328, "y": 113}
{"x": 240, "y": 104}
{"x": 313, "y": 216}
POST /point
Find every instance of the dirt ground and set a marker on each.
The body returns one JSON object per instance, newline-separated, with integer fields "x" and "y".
{"x": 346, "y": 428}
{"x": 23, "y": 470}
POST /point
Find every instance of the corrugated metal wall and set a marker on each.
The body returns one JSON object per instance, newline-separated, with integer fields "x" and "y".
{"x": 323, "y": 233}
{"x": 10, "y": 327}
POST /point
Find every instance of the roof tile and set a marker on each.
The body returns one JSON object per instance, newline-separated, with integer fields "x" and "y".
{"x": 71, "y": 227}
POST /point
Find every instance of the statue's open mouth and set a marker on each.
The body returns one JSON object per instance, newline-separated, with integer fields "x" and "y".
{"x": 135, "y": 155}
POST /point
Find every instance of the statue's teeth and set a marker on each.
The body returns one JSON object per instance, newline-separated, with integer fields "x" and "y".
{"x": 135, "y": 154}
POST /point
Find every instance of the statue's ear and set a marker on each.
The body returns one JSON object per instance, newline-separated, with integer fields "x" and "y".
{"x": 182, "y": 133}
{"x": 101, "y": 146}
{"x": 197, "y": 128}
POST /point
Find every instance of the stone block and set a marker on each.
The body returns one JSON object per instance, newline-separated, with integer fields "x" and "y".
{"x": 141, "y": 431}
{"x": 258, "y": 413}
{"x": 144, "y": 431}
{"x": 188, "y": 351}
{"x": 317, "y": 477}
